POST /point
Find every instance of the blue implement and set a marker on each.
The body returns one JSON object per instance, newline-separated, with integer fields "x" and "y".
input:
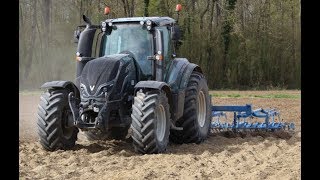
{"x": 240, "y": 115}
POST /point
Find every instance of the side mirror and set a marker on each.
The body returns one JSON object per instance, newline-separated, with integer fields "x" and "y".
{"x": 175, "y": 33}
{"x": 76, "y": 35}
{"x": 109, "y": 29}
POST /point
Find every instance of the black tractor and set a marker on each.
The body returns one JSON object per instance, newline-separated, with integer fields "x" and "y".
{"x": 128, "y": 79}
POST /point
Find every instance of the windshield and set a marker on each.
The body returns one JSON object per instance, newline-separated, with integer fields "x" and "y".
{"x": 133, "y": 38}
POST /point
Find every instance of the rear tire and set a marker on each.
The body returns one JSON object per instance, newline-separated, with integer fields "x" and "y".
{"x": 150, "y": 122}
{"x": 53, "y": 114}
{"x": 196, "y": 116}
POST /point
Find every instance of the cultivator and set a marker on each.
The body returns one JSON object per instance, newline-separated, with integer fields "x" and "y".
{"x": 241, "y": 114}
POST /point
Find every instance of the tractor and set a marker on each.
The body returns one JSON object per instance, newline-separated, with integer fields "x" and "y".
{"x": 128, "y": 79}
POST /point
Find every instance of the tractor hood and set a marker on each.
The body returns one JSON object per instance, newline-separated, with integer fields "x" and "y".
{"x": 99, "y": 71}
{"x": 105, "y": 75}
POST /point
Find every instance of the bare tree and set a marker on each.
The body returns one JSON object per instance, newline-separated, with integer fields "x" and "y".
{"x": 32, "y": 41}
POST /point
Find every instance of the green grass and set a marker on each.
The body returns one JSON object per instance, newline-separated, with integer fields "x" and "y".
{"x": 226, "y": 95}
{"x": 234, "y": 95}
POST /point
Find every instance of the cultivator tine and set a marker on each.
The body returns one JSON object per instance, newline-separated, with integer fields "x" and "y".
{"x": 240, "y": 123}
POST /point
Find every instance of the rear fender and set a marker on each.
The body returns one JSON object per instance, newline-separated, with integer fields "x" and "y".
{"x": 177, "y": 79}
{"x": 179, "y": 73}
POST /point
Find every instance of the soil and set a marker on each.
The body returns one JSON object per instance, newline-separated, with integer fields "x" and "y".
{"x": 224, "y": 155}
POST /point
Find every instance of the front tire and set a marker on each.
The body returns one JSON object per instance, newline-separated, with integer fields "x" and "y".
{"x": 150, "y": 122}
{"x": 196, "y": 116}
{"x": 53, "y": 115}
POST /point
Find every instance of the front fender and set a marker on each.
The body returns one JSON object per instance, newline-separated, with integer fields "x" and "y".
{"x": 155, "y": 85}
{"x": 62, "y": 84}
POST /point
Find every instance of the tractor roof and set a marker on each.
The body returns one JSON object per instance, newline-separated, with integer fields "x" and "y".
{"x": 160, "y": 21}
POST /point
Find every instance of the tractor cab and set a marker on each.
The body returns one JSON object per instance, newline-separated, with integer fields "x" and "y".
{"x": 146, "y": 39}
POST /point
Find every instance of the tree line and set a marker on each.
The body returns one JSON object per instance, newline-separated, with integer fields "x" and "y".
{"x": 240, "y": 44}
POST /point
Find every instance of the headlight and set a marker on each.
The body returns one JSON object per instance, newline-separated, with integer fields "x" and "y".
{"x": 103, "y": 24}
{"x": 149, "y": 22}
